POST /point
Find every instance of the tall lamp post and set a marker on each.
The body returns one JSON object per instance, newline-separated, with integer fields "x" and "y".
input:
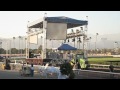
{"x": 104, "y": 39}
{"x": 96, "y": 41}
{"x": 19, "y": 45}
{"x": 73, "y": 37}
{"x": 25, "y": 44}
{"x": 14, "y": 44}
{"x": 84, "y": 37}
{"x": 0, "y": 45}
{"x": 116, "y": 48}
{"x": 89, "y": 43}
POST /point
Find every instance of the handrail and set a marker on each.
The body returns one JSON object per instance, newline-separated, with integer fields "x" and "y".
{"x": 96, "y": 71}
{"x": 96, "y": 74}
{"x": 99, "y": 65}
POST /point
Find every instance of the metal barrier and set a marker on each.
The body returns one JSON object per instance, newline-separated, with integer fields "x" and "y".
{"x": 98, "y": 66}
{"x": 90, "y": 74}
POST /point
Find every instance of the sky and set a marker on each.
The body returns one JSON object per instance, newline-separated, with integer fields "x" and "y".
{"x": 14, "y": 23}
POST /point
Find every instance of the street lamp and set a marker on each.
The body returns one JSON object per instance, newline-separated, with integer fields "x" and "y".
{"x": 0, "y": 45}
{"x": 104, "y": 39}
{"x": 83, "y": 34}
{"x": 96, "y": 40}
{"x": 19, "y": 44}
{"x": 73, "y": 40}
{"x": 89, "y": 42}
{"x": 25, "y": 43}
{"x": 116, "y": 47}
{"x": 14, "y": 43}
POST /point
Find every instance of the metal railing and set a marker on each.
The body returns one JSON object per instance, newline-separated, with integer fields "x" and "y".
{"x": 90, "y": 74}
{"x": 99, "y": 66}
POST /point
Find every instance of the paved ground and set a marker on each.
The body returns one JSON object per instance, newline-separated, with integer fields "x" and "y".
{"x": 8, "y": 74}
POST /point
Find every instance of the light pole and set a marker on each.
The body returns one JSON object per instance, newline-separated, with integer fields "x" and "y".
{"x": 41, "y": 45}
{"x": 79, "y": 42}
{"x": 19, "y": 45}
{"x": 104, "y": 39}
{"x": 10, "y": 47}
{"x": 78, "y": 38}
{"x": 25, "y": 43}
{"x": 74, "y": 36}
{"x": 6, "y": 49}
{"x": 14, "y": 44}
{"x": 89, "y": 42}
{"x": 0, "y": 46}
{"x": 116, "y": 47}
{"x": 96, "y": 41}
{"x": 84, "y": 37}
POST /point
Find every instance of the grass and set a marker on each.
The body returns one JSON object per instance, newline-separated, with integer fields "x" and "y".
{"x": 102, "y": 60}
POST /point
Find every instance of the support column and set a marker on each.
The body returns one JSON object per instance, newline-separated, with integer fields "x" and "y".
{"x": 44, "y": 40}
{"x": 27, "y": 44}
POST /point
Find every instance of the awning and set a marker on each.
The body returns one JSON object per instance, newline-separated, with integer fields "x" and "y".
{"x": 71, "y": 23}
{"x": 66, "y": 47}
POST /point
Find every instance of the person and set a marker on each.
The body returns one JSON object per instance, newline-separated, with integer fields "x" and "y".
{"x": 61, "y": 76}
{"x": 72, "y": 62}
{"x": 82, "y": 63}
{"x": 32, "y": 70}
{"x": 78, "y": 65}
{"x": 111, "y": 68}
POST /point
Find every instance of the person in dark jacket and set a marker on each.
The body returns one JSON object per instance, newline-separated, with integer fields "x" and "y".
{"x": 111, "y": 67}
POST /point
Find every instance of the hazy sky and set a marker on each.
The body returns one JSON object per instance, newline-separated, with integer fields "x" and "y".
{"x": 14, "y": 23}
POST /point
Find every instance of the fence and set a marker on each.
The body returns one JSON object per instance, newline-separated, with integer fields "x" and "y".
{"x": 89, "y": 74}
{"x": 98, "y": 66}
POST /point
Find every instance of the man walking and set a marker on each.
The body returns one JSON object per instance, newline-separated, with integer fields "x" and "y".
{"x": 32, "y": 70}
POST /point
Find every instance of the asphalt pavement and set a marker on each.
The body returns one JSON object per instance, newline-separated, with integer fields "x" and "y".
{"x": 9, "y": 74}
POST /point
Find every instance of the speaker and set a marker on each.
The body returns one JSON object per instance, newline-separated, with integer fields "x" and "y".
{"x": 31, "y": 55}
